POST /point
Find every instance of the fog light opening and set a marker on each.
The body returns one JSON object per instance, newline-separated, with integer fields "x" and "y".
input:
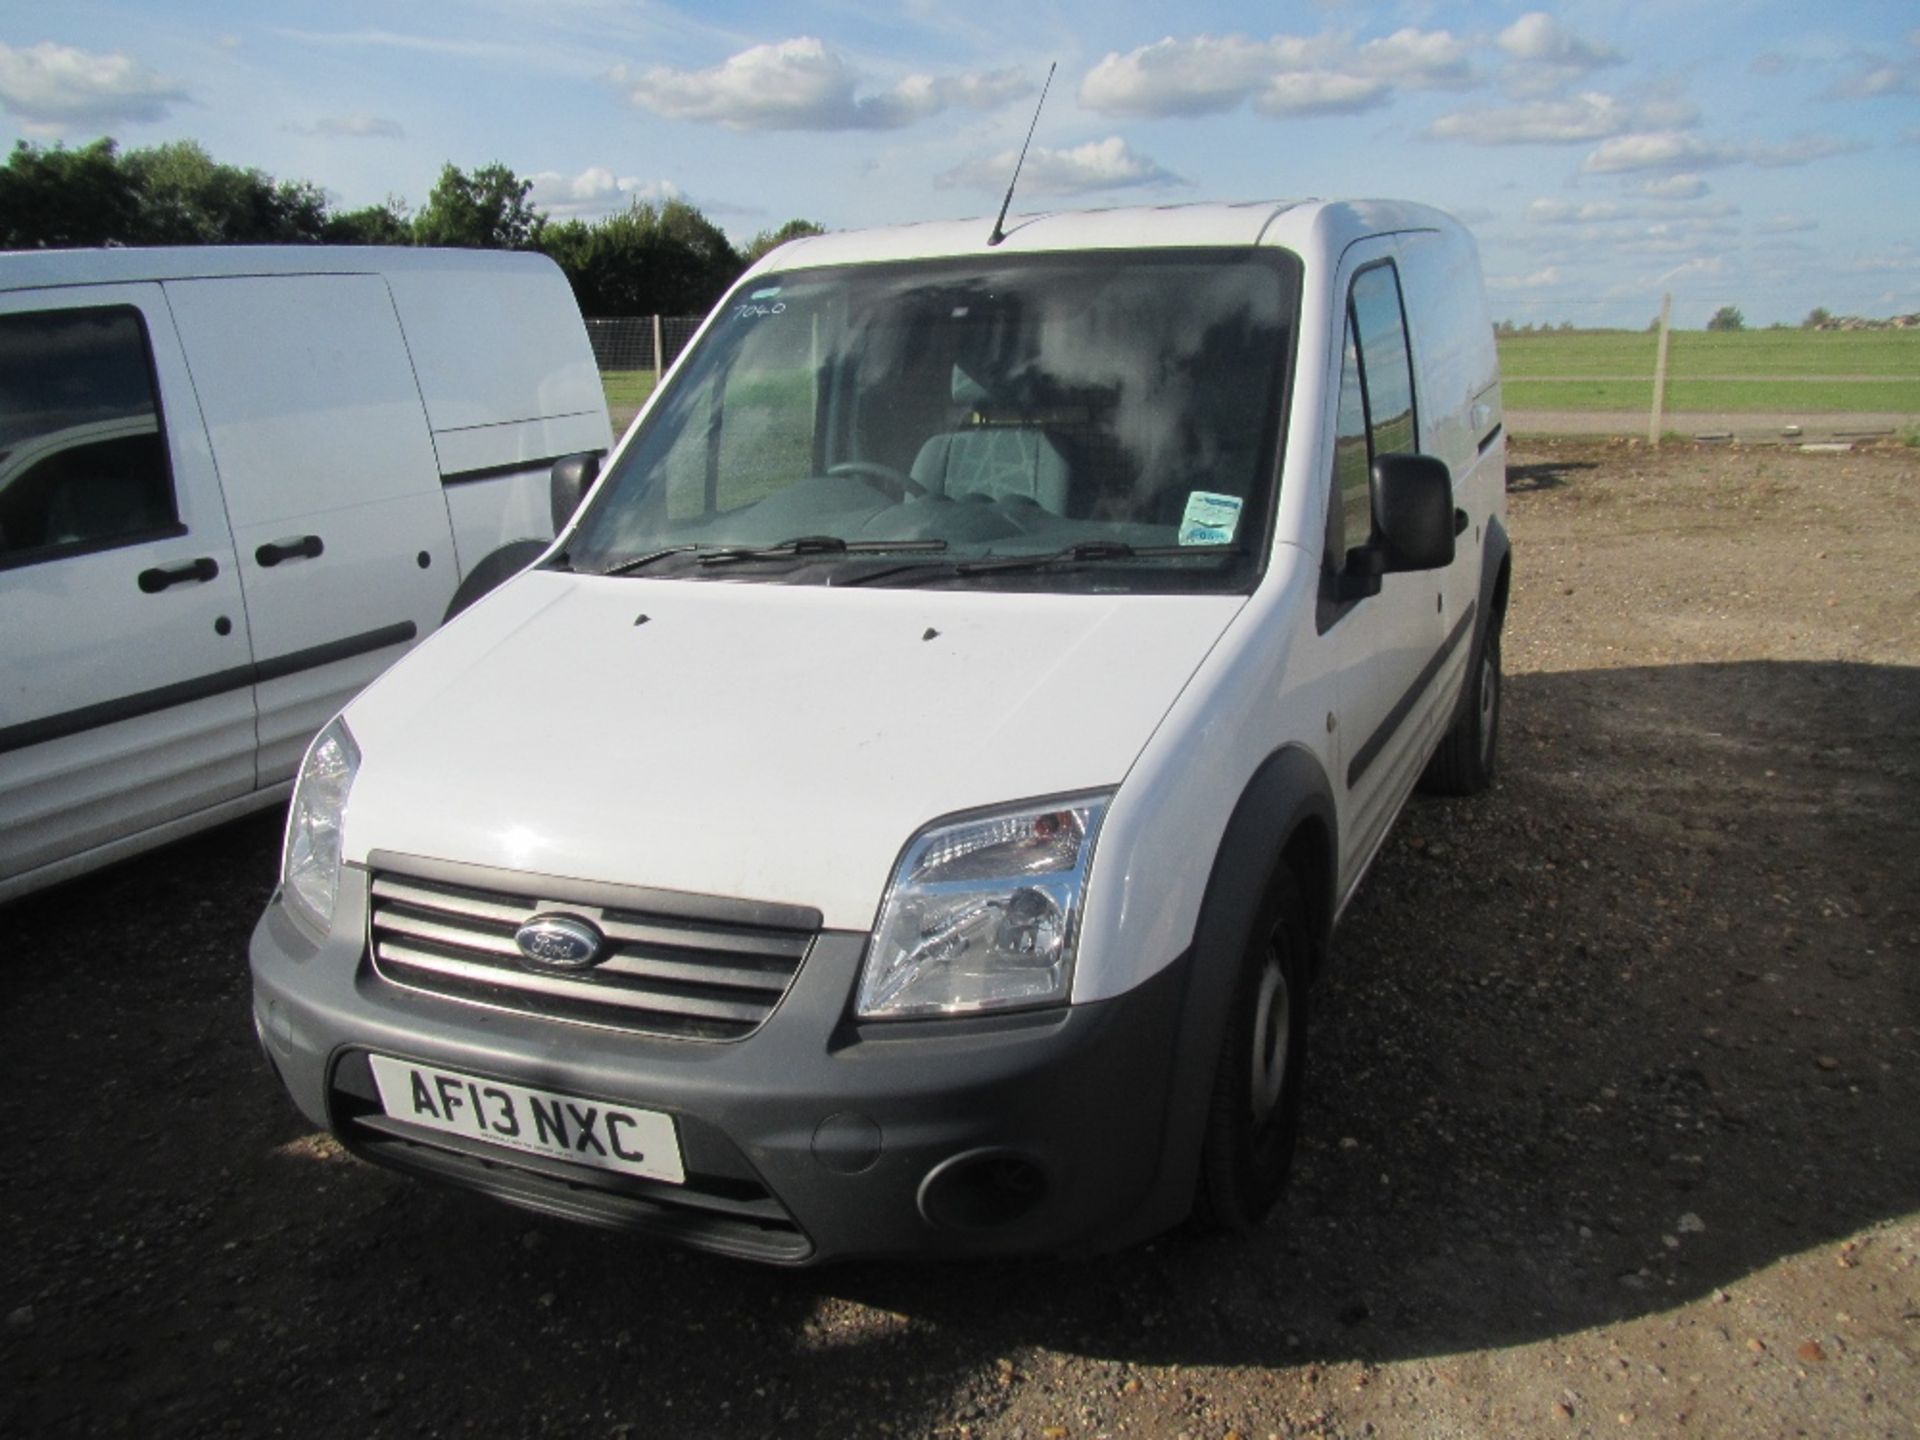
{"x": 982, "y": 1190}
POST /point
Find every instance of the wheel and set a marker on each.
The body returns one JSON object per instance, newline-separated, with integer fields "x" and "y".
{"x": 884, "y": 478}
{"x": 1464, "y": 763}
{"x": 1254, "y": 1117}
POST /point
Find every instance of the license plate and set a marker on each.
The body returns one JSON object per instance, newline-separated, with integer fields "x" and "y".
{"x": 540, "y": 1122}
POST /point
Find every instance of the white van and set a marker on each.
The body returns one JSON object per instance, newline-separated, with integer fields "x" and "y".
{"x": 236, "y": 484}
{"x": 905, "y": 810}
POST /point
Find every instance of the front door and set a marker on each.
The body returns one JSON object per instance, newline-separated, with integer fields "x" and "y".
{"x": 126, "y": 700}
{"x": 1382, "y": 645}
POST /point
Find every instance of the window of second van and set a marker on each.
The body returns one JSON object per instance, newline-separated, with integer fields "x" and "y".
{"x": 83, "y": 455}
{"x": 983, "y": 418}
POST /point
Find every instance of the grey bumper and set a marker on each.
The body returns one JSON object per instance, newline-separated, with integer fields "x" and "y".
{"x": 813, "y": 1138}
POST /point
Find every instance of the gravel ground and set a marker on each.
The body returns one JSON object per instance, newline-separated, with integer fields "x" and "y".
{"x": 1611, "y": 1128}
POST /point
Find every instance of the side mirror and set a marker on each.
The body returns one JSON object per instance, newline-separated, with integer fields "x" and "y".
{"x": 572, "y": 474}
{"x": 1412, "y": 513}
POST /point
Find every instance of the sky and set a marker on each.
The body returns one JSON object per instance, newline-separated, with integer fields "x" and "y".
{"x": 1758, "y": 153}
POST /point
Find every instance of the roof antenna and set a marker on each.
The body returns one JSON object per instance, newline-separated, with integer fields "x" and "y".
{"x": 999, "y": 234}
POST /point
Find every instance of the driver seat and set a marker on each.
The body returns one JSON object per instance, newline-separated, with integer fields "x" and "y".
{"x": 995, "y": 463}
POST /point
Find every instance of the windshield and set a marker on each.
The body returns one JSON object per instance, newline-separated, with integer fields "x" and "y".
{"x": 1112, "y": 412}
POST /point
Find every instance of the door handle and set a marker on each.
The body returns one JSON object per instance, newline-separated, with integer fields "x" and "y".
{"x": 301, "y": 547}
{"x": 161, "y": 576}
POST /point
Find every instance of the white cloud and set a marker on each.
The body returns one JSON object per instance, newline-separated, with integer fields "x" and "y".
{"x": 1784, "y": 224}
{"x": 1538, "y": 36}
{"x": 1286, "y": 75}
{"x": 800, "y": 84}
{"x": 595, "y": 191}
{"x": 1871, "y": 78}
{"x": 1109, "y": 164}
{"x": 1802, "y": 150}
{"x": 1546, "y": 56}
{"x": 1201, "y": 76}
{"x": 497, "y": 51}
{"x": 1585, "y": 117}
{"x": 1566, "y": 212}
{"x": 1673, "y": 187}
{"x": 1535, "y": 280}
{"x": 1320, "y": 92}
{"x": 55, "y": 88}
{"x": 359, "y": 127}
{"x": 1657, "y": 150}
{"x": 1432, "y": 59}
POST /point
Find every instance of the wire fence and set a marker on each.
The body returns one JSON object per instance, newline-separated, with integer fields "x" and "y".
{"x": 639, "y": 342}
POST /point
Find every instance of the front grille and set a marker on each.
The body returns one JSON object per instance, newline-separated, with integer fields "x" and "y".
{"x": 663, "y": 974}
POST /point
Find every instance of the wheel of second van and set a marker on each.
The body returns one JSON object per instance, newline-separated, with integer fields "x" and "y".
{"x": 502, "y": 565}
{"x": 1464, "y": 762}
{"x": 1254, "y": 1117}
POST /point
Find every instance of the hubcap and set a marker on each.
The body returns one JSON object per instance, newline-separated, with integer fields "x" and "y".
{"x": 1271, "y": 1034}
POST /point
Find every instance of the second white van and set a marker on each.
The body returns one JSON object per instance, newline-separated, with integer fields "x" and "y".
{"x": 235, "y": 485}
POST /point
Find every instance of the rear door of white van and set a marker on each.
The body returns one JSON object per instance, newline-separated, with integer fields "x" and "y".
{"x": 126, "y": 697}
{"x": 345, "y": 549}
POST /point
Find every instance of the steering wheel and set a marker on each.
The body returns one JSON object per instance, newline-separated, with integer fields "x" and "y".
{"x": 884, "y": 478}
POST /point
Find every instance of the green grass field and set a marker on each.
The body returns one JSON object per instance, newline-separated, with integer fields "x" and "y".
{"x": 627, "y": 390}
{"x": 1818, "y": 371}
{"x": 1811, "y": 370}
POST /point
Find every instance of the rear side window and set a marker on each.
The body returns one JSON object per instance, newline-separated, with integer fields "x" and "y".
{"x": 1376, "y": 415}
{"x": 83, "y": 454}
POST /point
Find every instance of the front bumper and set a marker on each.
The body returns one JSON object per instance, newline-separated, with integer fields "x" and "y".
{"x": 813, "y": 1138}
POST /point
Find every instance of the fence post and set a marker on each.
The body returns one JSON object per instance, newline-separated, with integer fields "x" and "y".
{"x": 1660, "y": 373}
{"x": 658, "y": 354}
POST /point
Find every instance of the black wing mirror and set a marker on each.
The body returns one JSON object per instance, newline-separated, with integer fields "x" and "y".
{"x": 1412, "y": 513}
{"x": 572, "y": 474}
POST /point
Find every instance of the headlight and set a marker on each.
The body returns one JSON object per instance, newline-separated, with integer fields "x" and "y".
{"x": 983, "y": 914}
{"x": 310, "y": 862}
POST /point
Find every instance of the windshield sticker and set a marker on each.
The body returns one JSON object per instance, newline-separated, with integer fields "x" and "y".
{"x": 1210, "y": 519}
{"x": 766, "y": 294}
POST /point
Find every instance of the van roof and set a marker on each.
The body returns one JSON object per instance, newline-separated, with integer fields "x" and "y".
{"x": 1314, "y": 229}
{"x": 34, "y": 269}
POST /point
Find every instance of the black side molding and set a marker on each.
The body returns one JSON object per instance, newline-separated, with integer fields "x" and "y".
{"x": 202, "y": 687}
{"x": 1403, "y": 707}
{"x": 1486, "y": 440}
{"x": 543, "y": 464}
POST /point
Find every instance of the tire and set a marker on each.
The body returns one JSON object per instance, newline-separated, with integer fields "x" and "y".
{"x": 502, "y": 565}
{"x": 1464, "y": 763}
{"x": 1253, "y": 1119}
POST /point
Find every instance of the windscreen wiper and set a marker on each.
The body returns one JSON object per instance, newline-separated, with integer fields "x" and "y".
{"x": 1083, "y": 552}
{"x": 635, "y": 562}
{"x": 1086, "y": 551}
{"x": 815, "y": 545}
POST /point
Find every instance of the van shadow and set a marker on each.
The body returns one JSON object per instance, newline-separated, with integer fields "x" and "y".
{"x": 1545, "y": 474}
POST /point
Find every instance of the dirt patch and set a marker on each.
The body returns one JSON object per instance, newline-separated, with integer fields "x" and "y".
{"x": 1611, "y": 1128}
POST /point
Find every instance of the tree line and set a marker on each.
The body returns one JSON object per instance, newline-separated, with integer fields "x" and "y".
{"x": 665, "y": 259}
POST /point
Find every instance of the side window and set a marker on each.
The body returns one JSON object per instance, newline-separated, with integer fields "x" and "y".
{"x": 1385, "y": 362}
{"x": 1376, "y": 415}
{"x": 83, "y": 455}
{"x": 1350, "y": 515}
